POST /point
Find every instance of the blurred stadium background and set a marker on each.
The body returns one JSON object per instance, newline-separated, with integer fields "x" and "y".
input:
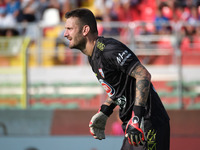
{"x": 48, "y": 92}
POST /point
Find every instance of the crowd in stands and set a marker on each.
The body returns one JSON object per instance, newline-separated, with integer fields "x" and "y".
{"x": 12, "y": 11}
{"x": 153, "y": 11}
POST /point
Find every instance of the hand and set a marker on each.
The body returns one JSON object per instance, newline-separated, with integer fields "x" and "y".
{"x": 97, "y": 125}
{"x": 134, "y": 133}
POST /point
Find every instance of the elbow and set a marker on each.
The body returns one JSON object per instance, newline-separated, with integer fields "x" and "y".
{"x": 147, "y": 76}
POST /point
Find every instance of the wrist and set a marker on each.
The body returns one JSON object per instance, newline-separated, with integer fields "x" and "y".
{"x": 139, "y": 112}
{"x": 107, "y": 109}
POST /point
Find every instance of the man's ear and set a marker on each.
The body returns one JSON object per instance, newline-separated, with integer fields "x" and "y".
{"x": 85, "y": 30}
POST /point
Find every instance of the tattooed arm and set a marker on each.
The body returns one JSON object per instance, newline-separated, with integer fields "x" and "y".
{"x": 143, "y": 79}
{"x": 135, "y": 126}
{"x": 108, "y": 101}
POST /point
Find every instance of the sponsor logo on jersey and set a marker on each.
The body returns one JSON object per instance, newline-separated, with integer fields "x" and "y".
{"x": 122, "y": 57}
{"x": 101, "y": 72}
{"x": 100, "y": 46}
{"x": 107, "y": 87}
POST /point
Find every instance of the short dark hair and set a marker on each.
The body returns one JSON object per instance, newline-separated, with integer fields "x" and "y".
{"x": 85, "y": 16}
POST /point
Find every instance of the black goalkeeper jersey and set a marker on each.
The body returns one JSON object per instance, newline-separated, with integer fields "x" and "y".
{"x": 112, "y": 62}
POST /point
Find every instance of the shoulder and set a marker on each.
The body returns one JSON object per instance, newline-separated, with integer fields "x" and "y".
{"x": 108, "y": 43}
{"x": 110, "y": 46}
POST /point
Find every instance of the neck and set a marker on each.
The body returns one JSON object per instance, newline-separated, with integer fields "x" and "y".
{"x": 90, "y": 46}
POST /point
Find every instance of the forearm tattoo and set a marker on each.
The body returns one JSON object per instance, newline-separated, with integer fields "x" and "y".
{"x": 108, "y": 101}
{"x": 143, "y": 78}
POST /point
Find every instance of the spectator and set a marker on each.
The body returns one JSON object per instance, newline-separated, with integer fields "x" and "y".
{"x": 28, "y": 10}
{"x": 10, "y": 13}
{"x": 67, "y": 5}
{"x": 2, "y": 7}
{"x": 7, "y": 22}
{"x": 2, "y": 12}
{"x": 191, "y": 39}
{"x": 108, "y": 30}
{"x": 43, "y": 5}
{"x": 12, "y": 7}
{"x": 193, "y": 16}
{"x": 103, "y": 7}
{"x": 160, "y": 18}
{"x": 182, "y": 13}
{"x": 197, "y": 39}
{"x": 54, "y": 4}
{"x": 10, "y": 32}
{"x": 188, "y": 38}
{"x": 124, "y": 11}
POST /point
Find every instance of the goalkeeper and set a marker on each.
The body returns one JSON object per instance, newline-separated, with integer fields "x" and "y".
{"x": 127, "y": 83}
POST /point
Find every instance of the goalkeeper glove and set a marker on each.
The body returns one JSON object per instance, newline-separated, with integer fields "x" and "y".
{"x": 98, "y": 121}
{"x": 134, "y": 130}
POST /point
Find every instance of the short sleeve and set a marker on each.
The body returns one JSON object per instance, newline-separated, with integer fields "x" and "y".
{"x": 120, "y": 57}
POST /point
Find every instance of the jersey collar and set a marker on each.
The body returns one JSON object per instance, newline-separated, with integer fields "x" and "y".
{"x": 94, "y": 49}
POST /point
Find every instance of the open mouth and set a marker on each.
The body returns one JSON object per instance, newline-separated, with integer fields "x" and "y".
{"x": 70, "y": 39}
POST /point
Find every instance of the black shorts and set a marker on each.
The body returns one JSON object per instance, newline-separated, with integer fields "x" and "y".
{"x": 158, "y": 139}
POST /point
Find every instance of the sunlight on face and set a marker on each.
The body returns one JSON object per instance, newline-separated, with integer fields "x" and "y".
{"x": 73, "y": 32}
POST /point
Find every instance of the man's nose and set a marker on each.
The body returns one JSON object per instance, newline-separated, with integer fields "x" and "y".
{"x": 66, "y": 33}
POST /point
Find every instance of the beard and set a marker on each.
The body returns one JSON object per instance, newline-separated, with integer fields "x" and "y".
{"x": 79, "y": 42}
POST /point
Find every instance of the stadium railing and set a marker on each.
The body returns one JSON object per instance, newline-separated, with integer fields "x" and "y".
{"x": 158, "y": 46}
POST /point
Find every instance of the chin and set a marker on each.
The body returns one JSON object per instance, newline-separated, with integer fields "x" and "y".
{"x": 71, "y": 46}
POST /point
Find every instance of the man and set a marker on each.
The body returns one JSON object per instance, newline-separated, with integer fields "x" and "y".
{"x": 127, "y": 83}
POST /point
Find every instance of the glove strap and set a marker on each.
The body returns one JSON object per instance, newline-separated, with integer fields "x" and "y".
{"x": 107, "y": 110}
{"x": 139, "y": 112}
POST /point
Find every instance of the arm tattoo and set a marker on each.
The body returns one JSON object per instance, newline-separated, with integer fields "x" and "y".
{"x": 143, "y": 78}
{"x": 109, "y": 101}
